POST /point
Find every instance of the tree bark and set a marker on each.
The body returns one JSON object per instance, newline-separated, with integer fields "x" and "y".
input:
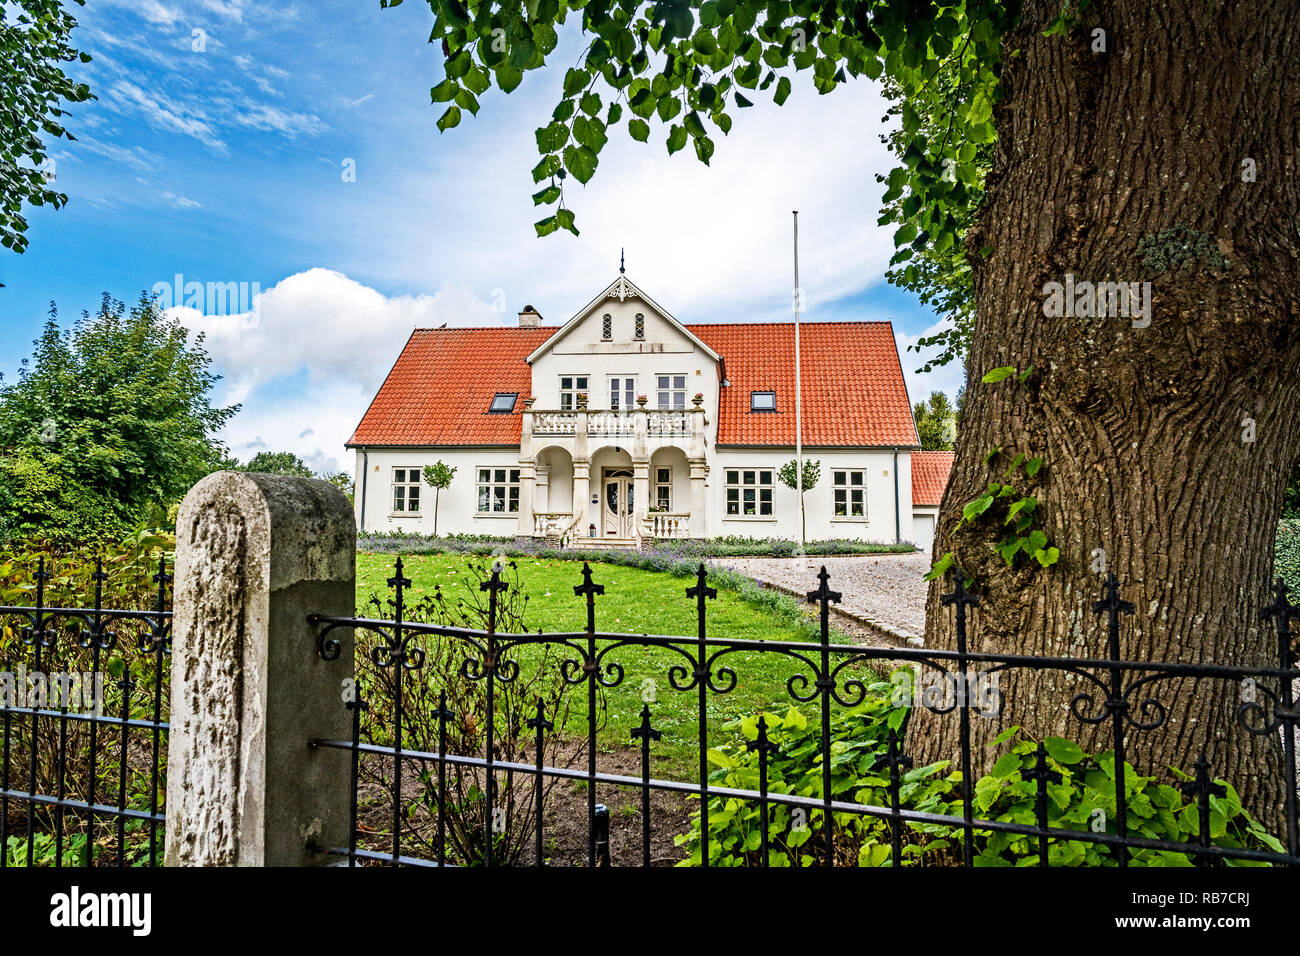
{"x": 1140, "y": 429}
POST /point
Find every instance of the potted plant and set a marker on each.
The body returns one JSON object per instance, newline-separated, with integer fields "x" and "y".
{"x": 698, "y": 400}
{"x": 641, "y": 400}
{"x": 582, "y": 399}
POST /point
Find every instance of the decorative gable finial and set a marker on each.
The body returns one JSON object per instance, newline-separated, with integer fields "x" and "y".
{"x": 621, "y": 290}
{"x": 621, "y": 270}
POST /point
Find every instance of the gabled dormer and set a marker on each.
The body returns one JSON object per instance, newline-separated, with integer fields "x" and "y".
{"x": 621, "y": 345}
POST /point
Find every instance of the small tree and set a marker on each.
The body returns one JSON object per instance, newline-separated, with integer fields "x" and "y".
{"x": 936, "y": 422}
{"x": 277, "y": 463}
{"x": 812, "y": 472}
{"x": 439, "y": 475}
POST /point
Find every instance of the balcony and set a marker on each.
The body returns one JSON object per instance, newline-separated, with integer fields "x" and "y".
{"x": 644, "y": 429}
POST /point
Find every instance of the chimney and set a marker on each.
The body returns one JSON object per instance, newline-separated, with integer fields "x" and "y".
{"x": 529, "y": 318}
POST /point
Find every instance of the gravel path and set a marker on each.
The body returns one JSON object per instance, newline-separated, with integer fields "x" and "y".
{"x": 883, "y": 587}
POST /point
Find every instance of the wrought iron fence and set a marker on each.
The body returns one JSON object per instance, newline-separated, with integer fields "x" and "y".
{"x": 1117, "y": 692}
{"x": 83, "y": 702}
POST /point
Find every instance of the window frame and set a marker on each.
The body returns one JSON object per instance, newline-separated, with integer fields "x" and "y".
{"x": 671, "y": 391}
{"x": 406, "y": 486}
{"x": 628, "y": 393}
{"x": 512, "y": 481}
{"x": 572, "y": 393}
{"x": 661, "y": 485}
{"x": 842, "y": 486}
{"x": 638, "y": 328}
{"x": 757, "y": 485}
{"x": 492, "y": 406}
{"x": 757, "y": 408}
{"x": 607, "y": 328}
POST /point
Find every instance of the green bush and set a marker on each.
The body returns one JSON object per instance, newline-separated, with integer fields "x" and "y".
{"x": 1084, "y": 798}
{"x": 1287, "y": 553}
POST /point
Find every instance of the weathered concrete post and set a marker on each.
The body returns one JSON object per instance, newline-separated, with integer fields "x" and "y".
{"x": 255, "y": 554}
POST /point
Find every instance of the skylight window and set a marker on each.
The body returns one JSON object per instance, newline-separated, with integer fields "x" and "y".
{"x": 504, "y": 402}
{"x": 762, "y": 401}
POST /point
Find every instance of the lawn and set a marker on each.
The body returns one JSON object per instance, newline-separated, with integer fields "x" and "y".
{"x": 635, "y": 601}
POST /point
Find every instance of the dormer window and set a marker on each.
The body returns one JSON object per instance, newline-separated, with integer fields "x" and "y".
{"x": 639, "y": 335}
{"x": 762, "y": 401}
{"x": 607, "y": 327}
{"x": 503, "y": 403}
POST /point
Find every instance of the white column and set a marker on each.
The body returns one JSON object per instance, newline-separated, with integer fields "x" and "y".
{"x": 699, "y": 520}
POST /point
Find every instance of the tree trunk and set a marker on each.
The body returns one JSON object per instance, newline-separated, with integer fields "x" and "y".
{"x": 1140, "y": 428}
{"x": 437, "y": 494}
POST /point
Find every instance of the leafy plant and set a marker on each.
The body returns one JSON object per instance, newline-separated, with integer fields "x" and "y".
{"x": 439, "y": 476}
{"x": 447, "y": 664}
{"x": 1081, "y": 798}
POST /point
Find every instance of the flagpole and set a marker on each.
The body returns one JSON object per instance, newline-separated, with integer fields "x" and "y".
{"x": 798, "y": 388}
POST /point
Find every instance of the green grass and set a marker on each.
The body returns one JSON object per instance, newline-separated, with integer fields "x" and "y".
{"x": 635, "y": 601}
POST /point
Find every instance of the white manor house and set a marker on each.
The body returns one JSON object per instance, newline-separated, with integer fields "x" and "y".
{"x": 624, "y": 424}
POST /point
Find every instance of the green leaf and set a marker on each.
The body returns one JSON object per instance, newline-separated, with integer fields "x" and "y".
{"x": 638, "y": 129}
{"x": 449, "y": 119}
{"x": 1063, "y": 751}
{"x": 581, "y": 162}
{"x": 782, "y": 90}
{"x": 941, "y": 567}
{"x": 1047, "y": 557}
{"x": 1032, "y": 466}
{"x": 676, "y": 139}
{"x": 975, "y": 508}
{"x": 997, "y": 374}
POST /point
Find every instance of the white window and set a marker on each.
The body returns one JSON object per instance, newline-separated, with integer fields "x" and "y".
{"x": 850, "y": 491}
{"x": 749, "y": 492}
{"x": 762, "y": 401}
{"x": 571, "y": 386}
{"x": 639, "y": 334}
{"x": 607, "y": 327}
{"x": 622, "y": 393}
{"x": 671, "y": 392}
{"x": 406, "y": 490}
{"x": 664, "y": 489}
{"x": 498, "y": 490}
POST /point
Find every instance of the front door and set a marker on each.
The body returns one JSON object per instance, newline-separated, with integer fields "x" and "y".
{"x": 618, "y": 504}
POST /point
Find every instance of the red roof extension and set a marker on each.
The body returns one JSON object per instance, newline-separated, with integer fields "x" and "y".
{"x": 439, "y": 390}
{"x": 442, "y": 384}
{"x": 930, "y": 470}
{"x": 852, "y": 383}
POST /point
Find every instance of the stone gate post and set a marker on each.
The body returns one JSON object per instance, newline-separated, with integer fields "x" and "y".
{"x": 255, "y": 554}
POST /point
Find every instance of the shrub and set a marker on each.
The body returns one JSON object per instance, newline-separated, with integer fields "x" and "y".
{"x": 860, "y": 772}
{"x": 1287, "y": 553}
{"x": 449, "y": 665}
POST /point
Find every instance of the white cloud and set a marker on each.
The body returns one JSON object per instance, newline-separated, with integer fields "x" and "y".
{"x": 230, "y": 9}
{"x": 164, "y": 113}
{"x": 343, "y": 335}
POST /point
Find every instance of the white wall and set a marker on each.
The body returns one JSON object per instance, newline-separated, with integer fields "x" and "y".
{"x": 665, "y": 351}
{"x": 457, "y": 509}
{"x": 821, "y": 522}
{"x": 924, "y": 520}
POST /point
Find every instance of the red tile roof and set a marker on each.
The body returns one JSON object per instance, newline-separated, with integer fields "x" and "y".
{"x": 930, "y": 470}
{"x": 853, "y": 389}
{"x": 439, "y": 390}
{"x": 442, "y": 384}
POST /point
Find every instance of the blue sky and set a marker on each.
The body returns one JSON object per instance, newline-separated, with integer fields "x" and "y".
{"x": 217, "y": 151}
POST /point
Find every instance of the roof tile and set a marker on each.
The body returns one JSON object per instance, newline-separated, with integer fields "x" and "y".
{"x": 852, "y": 384}
{"x": 930, "y": 470}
